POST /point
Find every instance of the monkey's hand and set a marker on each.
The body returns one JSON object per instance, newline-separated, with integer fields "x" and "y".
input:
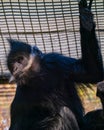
{"x": 86, "y": 19}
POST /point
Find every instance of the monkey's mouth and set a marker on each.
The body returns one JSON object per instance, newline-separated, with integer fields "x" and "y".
{"x": 17, "y": 73}
{"x": 18, "y": 77}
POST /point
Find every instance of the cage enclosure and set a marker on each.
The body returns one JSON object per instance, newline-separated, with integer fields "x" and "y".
{"x": 51, "y": 25}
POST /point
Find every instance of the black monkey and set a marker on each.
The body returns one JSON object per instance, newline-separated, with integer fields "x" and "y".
{"x": 46, "y": 97}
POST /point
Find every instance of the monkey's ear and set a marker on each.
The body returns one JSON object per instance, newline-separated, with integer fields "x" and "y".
{"x": 11, "y": 43}
{"x": 14, "y": 43}
{"x": 19, "y": 46}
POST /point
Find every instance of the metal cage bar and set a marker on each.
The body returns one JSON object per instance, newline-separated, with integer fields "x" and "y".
{"x": 52, "y": 25}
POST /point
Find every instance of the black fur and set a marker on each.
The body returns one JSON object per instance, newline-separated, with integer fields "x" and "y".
{"x": 95, "y": 120}
{"x": 47, "y": 99}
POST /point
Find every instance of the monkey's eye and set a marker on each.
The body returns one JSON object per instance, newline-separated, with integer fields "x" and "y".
{"x": 19, "y": 59}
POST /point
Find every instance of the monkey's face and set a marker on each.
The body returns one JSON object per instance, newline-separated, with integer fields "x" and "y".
{"x": 22, "y": 67}
{"x": 22, "y": 64}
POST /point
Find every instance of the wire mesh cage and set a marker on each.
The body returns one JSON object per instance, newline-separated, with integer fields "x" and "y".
{"x": 52, "y": 25}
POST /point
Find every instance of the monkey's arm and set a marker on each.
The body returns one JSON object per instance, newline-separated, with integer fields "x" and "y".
{"x": 92, "y": 66}
{"x": 89, "y": 69}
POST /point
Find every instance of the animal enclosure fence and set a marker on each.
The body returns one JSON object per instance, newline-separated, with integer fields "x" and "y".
{"x": 52, "y": 25}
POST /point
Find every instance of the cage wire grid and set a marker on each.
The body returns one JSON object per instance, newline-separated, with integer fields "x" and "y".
{"x": 52, "y": 25}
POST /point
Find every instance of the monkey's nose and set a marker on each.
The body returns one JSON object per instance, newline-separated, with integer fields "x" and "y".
{"x": 17, "y": 68}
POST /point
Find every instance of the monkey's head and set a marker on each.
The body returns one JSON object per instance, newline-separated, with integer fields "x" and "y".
{"x": 23, "y": 61}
